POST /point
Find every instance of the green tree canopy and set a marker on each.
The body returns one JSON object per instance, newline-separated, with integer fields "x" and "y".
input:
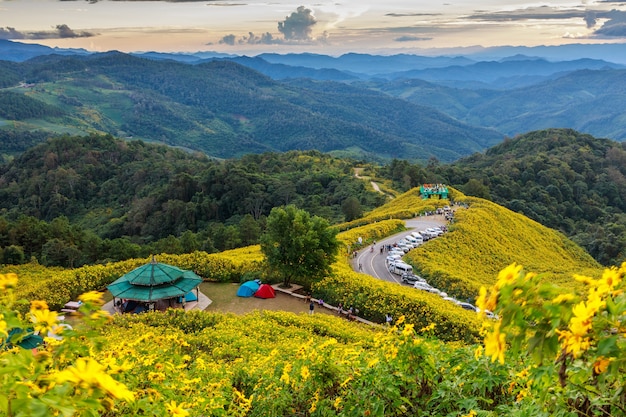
{"x": 298, "y": 245}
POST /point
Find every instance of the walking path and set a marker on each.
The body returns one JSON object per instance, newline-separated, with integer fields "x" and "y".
{"x": 293, "y": 292}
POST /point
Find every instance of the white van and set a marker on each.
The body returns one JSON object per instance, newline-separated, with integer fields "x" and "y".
{"x": 400, "y": 268}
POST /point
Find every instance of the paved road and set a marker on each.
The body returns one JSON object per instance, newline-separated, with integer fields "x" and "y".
{"x": 373, "y": 263}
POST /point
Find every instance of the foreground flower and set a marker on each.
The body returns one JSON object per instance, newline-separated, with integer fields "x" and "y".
{"x": 508, "y": 275}
{"x": 88, "y": 373}
{"x": 495, "y": 344}
{"x": 8, "y": 281}
{"x": 91, "y": 297}
{"x": 43, "y": 320}
{"x": 176, "y": 409}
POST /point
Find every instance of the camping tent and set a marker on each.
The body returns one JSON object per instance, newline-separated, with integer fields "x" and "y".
{"x": 154, "y": 281}
{"x": 265, "y": 291}
{"x": 248, "y": 288}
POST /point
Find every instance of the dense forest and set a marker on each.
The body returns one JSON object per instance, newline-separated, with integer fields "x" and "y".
{"x": 75, "y": 200}
{"x": 227, "y": 110}
{"x": 561, "y": 178}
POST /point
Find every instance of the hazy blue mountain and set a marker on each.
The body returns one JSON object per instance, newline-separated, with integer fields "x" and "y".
{"x": 282, "y": 71}
{"x": 365, "y": 64}
{"x": 18, "y": 52}
{"x": 509, "y": 73}
{"x": 591, "y": 101}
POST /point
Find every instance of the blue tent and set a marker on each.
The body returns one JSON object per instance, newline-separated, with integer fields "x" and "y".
{"x": 248, "y": 288}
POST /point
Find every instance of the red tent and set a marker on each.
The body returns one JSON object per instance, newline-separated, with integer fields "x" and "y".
{"x": 265, "y": 291}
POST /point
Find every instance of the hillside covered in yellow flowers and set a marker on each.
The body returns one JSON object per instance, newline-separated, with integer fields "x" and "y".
{"x": 283, "y": 364}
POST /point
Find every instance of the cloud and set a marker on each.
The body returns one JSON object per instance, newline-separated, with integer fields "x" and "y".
{"x": 410, "y": 39}
{"x": 298, "y": 25}
{"x": 60, "y": 32}
{"x": 11, "y": 33}
{"x": 590, "y": 18}
{"x": 251, "y": 39}
{"x": 411, "y": 14}
{"x": 534, "y": 13}
{"x": 615, "y": 26}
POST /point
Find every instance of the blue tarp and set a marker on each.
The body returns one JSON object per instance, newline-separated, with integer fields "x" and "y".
{"x": 248, "y": 288}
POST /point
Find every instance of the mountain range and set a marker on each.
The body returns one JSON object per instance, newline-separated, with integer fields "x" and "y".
{"x": 373, "y": 107}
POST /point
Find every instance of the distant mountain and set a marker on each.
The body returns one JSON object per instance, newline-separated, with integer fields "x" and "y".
{"x": 18, "y": 52}
{"x": 591, "y": 101}
{"x": 282, "y": 71}
{"x": 225, "y": 109}
{"x": 365, "y": 63}
{"x": 508, "y": 73}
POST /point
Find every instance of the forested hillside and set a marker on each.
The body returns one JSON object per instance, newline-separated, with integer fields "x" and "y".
{"x": 563, "y": 179}
{"x": 227, "y": 110}
{"x": 590, "y": 101}
{"x": 61, "y": 198}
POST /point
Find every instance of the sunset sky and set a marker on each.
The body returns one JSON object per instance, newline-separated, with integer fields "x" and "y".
{"x": 328, "y": 27}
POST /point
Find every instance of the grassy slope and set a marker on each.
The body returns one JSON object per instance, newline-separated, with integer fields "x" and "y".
{"x": 487, "y": 237}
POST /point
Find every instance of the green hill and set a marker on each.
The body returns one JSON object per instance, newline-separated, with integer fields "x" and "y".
{"x": 225, "y": 109}
{"x": 563, "y": 179}
{"x": 100, "y": 187}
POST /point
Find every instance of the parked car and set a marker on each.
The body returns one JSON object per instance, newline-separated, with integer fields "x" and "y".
{"x": 468, "y": 306}
{"x": 417, "y": 237}
{"x": 393, "y": 258}
{"x": 421, "y": 286}
{"x": 427, "y": 235}
{"x": 411, "y": 278}
{"x": 405, "y": 248}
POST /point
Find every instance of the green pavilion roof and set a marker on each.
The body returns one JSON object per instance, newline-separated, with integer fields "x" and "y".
{"x": 154, "y": 281}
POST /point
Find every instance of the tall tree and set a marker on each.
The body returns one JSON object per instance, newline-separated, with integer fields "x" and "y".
{"x": 298, "y": 245}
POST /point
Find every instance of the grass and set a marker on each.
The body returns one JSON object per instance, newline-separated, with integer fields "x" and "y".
{"x": 224, "y": 299}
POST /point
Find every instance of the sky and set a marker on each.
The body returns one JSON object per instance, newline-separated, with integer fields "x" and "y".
{"x": 328, "y": 27}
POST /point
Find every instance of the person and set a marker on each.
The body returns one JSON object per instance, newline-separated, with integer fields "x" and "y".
{"x": 340, "y": 309}
{"x": 308, "y": 297}
{"x": 320, "y": 302}
{"x": 360, "y": 266}
{"x": 311, "y": 307}
{"x": 388, "y": 319}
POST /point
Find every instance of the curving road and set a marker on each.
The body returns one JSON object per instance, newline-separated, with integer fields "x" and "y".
{"x": 373, "y": 263}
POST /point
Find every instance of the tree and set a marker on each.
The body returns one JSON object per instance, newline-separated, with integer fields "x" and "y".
{"x": 351, "y": 208}
{"x": 298, "y": 245}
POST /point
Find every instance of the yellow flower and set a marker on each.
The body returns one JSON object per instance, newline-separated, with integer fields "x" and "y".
{"x": 8, "y": 281}
{"x": 176, "y": 410}
{"x": 478, "y": 352}
{"x": 408, "y": 329}
{"x": 91, "y": 297}
{"x": 88, "y": 373}
{"x": 472, "y": 413}
{"x": 337, "y": 403}
{"x": 304, "y": 373}
{"x": 508, "y": 275}
{"x": 38, "y": 305}
{"x": 3, "y": 326}
{"x": 484, "y": 302}
{"x": 601, "y": 365}
{"x": 573, "y": 343}
{"x": 428, "y": 328}
{"x": 43, "y": 320}
{"x": 495, "y": 344}
{"x": 562, "y": 298}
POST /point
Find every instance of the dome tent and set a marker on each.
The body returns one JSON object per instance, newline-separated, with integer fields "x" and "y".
{"x": 248, "y": 288}
{"x": 265, "y": 291}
